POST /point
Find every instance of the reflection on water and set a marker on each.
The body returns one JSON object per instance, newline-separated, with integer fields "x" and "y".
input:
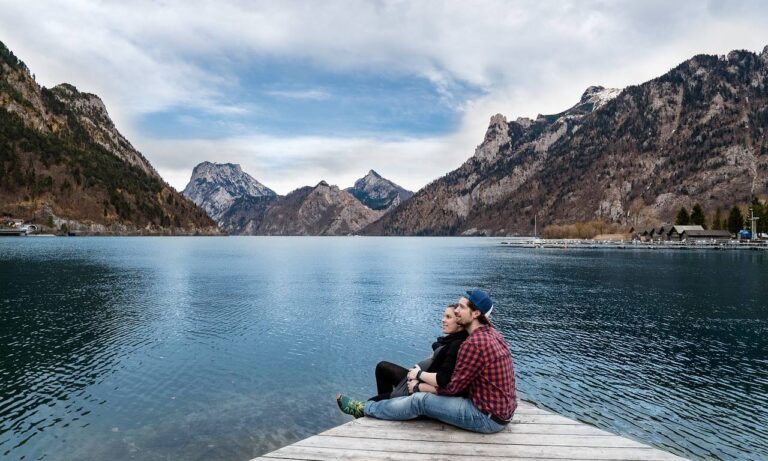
{"x": 226, "y": 348}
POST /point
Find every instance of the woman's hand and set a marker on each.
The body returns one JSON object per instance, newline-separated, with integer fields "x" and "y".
{"x": 413, "y": 372}
{"x": 412, "y": 383}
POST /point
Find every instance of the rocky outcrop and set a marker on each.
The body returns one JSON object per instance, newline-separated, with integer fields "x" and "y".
{"x": 246, "y": 214}
{"x": 93, "y": 117}
{"x": 378, "y": 193}
{"x": 319, "y": 210}
{"x": 216, "y": 187}
{"x": 62, "y": 160}
{"x": 631, "y": 156}
{"x": 496, "y": 137}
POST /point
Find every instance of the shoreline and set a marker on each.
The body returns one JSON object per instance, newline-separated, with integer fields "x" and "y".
{"x": 581, "y": 244}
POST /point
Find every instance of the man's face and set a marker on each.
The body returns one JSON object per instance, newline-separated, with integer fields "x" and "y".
{"x": 464, "y": 315}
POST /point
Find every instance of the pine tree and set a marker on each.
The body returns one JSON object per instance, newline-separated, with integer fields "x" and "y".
{"x": 717, "y": 220}
{"x": 697, "y": 215}
{"x": 735, "y": 220}
{"x": 682, "y": 218}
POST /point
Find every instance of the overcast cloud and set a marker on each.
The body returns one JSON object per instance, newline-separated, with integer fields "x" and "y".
{"x": 175, "y": 63}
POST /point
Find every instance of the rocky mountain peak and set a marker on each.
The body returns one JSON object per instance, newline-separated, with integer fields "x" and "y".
{"x": 524, "y": 122}
{"x": 83, "y": 104}
{"x": 591, "y": 91}
{"x": 92, "y": 114}
{"x": 598, "y": 96}
{"x": 378, "y": 193}
{"x": 216, "y": 186}
{"x": 48, "y": 111}
{"x": 7, "y": 56}
{"x": 496, "y": 136}
{"x": 322, "y": 183}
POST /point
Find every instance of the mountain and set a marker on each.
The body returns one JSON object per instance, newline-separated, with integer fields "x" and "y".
{"x": 319, "y": 210}
{"x": 246, "y": 214}
{"x": 631, "y": 156}
{"x": 378, "y": 193}
{"x": 216, "y": 186}
{"x": 64, "y": 164}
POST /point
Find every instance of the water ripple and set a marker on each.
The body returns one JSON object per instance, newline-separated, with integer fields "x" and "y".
{"x": 228, "y": 348}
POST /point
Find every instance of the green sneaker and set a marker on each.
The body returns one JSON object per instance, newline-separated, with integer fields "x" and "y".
{"x": 349, "y": 406}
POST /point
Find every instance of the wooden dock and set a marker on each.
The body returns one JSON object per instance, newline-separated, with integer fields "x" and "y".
{"x": 533, "y": 434}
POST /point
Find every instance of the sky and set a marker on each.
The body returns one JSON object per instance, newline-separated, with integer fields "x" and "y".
{"x": 302, "y": 91}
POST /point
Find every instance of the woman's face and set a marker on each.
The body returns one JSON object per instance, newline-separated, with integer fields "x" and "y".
{"x": 449, "y": 322}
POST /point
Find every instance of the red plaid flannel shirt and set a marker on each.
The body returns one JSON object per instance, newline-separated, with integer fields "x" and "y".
{"x": 484, "y": 367}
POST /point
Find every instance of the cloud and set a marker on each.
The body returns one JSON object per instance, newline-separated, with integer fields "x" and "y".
{"x": 526, "y": 57}
{"x": 314, "y": 95}
{"x": 284, "y": 164}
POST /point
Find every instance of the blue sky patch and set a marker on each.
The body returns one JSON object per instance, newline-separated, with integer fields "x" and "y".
{"x": 290, "y": 99}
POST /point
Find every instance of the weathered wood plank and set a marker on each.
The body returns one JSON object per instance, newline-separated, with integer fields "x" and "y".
{"x": 486, "y": 450}
{"x": 504, "y": 438}
{"x": 549, "y": 420}
{"x": 293, "y": 452}
{"x": 527, "y": 408}
{"x": 518, "y": 428}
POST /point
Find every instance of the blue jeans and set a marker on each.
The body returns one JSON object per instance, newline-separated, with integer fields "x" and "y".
{"x": 456, "y": 411}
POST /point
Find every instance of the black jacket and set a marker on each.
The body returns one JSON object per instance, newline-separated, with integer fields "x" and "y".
{"x": 446, "y": 349}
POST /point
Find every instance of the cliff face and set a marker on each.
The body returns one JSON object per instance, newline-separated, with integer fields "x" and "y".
{"x": 319, "y": 210}
{"x": 632, "y": 156}
{"x": 62, "y": 161}
{"x": 215, "y": 187}
{"x": 378, "y": 193}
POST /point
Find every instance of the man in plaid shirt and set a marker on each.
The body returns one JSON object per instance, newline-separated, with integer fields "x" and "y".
{"x": 483, "y": 369}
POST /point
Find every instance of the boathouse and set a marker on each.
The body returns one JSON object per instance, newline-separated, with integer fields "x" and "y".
{"x": 660, "y": 232}
{"x": 646, "y": 235}
{"x": 719, "y": 236}
{"x": 676, "y": 232}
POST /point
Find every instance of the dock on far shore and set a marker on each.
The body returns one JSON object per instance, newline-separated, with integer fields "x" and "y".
{"x": 585, "y": 244}
{"x": 533, "y": 434}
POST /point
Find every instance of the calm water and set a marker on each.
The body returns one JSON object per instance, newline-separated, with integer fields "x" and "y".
{"x": 226, "y": 348}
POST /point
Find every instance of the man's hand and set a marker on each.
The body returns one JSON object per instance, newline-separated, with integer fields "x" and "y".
{"x": 411, "y": 385}
{"x": 413, "y": 372}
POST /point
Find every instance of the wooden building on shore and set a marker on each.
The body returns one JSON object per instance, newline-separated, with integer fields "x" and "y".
{"x": 720, "y": 236}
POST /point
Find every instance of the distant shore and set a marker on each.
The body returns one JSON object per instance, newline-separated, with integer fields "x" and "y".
{"x": 635, "y": 244}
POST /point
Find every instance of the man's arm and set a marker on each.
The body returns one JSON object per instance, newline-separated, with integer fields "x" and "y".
{"x": 423, "y": 387}
{"x": 423, "y": 376}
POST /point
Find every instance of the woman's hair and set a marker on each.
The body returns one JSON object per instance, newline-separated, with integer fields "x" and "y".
{"x": 481, "y": 318}
{"x": 453, "y": 306}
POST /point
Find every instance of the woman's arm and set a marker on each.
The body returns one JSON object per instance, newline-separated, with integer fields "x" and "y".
{"x": 423, "y": 376}
{"x": 423, "y": 387}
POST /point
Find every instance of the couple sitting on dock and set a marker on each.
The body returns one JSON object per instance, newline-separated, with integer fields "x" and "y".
{"x": 468, "y": 382}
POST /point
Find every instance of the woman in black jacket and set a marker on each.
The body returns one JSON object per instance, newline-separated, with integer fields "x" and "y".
{"x": 392, "y": 379}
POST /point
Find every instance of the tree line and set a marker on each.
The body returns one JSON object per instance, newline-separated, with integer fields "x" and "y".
{"x": 735, "y": 221}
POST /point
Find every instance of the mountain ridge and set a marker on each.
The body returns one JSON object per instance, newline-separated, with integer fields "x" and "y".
{"x": 320, "y": 210}
{"x": 64, "y": 165}
{"x": 690, "y": 135}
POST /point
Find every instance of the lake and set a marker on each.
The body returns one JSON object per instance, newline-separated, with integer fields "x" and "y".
{"x": 227, "y": 348}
